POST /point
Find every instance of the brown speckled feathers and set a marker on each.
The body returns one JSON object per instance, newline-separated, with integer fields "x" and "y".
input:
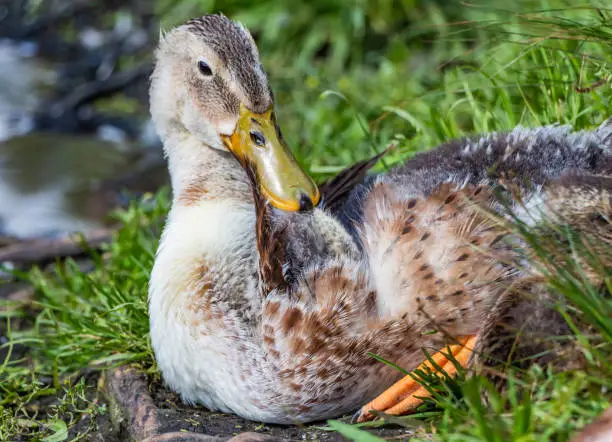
{"x": 271, "y": 240}
{"x": 278, "y": 323}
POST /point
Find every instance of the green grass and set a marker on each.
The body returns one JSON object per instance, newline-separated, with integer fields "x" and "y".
{"x": 83, "y": 321}
{"x": 351, "y": 78}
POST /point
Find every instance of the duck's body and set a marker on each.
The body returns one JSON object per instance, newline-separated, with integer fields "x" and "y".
{"x": 274, "y": 318}
{"x": 293, "y": 356}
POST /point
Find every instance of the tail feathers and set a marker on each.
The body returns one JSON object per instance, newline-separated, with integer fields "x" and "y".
{"x": 584, "y": 204}
{"x": 336, "y": 190}
{"x": 604, "y": 132}
{"x": 579, "y": 199}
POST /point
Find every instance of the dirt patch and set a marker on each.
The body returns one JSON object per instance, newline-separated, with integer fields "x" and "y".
{"x": 143, "y": 409}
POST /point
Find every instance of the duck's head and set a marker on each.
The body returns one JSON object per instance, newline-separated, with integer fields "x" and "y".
{"x": 208, "y": 83}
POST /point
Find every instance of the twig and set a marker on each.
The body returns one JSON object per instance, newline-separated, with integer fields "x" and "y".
{"x": 37, "y": 250}
{"x": 583, "y": 90}
{"x": 126, "y": 389}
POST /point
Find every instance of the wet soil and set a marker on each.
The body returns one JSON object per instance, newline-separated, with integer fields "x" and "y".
{"x": 176, "y": 416}
{"x": 172, "y": 416}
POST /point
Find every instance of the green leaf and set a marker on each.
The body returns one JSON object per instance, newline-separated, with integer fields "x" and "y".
{"x": 353, "y": 433}
{"x": 60, "y": 431}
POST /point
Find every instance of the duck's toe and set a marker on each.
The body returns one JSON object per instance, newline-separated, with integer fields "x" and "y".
{"x": 406, "y": 394}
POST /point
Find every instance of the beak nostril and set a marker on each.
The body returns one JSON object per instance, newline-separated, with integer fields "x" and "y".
{"x": 305, "y": 203}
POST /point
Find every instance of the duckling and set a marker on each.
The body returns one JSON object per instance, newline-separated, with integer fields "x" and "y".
{"x": 222, "y": 336}
{"x": 276, "y": 320}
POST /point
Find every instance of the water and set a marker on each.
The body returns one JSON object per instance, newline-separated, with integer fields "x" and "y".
{"x": 51, "y": 183}
{"x": 54, "y": 183}
{"x": 22, "y": 78}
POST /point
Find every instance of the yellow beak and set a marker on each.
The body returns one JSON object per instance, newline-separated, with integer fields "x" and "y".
{"x": 257, "y": 140}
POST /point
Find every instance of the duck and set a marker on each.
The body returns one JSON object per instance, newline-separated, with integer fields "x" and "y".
{"x": 220, "y": 338}
{"x": 268, "y": 296}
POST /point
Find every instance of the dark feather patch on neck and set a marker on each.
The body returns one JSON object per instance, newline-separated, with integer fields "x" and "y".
{"x": 271, "y": 239}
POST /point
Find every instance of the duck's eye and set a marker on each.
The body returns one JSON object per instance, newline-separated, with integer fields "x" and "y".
{"x": 204, "y": 68}
{"x": 258, "y": 139}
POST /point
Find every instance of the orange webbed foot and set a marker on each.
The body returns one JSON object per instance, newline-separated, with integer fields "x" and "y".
{"x": 404, "y": 396}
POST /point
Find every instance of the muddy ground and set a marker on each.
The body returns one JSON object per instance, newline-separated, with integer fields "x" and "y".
{"x": 140, "y": 409}
{"x": 144, "y": 409}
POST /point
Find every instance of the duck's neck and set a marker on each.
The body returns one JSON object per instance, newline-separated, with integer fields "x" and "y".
{"x": 209, "y": 230}
{"x": 200, "y": 173}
